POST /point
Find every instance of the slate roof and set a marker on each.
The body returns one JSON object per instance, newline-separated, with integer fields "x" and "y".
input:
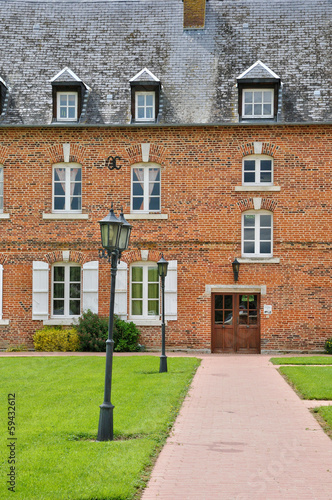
{"x": 106, "y": 43}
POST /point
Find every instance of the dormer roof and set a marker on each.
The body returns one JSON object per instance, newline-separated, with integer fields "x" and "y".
{"x": 144, "y": 75}
{"x": 68, "y": 76}
{"x": 259, "y": 70}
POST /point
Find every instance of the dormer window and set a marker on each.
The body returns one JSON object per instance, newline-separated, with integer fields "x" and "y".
{"x": 69, "y": 96}
{"x": 258, "y": 93}
{"x": 145, "y": 97}
{"x": 67, "y": 106}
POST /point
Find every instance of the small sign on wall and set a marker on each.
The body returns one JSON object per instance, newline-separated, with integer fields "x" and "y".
{"x": 267, "y": 309}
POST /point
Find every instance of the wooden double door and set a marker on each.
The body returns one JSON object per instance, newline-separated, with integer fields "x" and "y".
{"x": 236, "y": 323}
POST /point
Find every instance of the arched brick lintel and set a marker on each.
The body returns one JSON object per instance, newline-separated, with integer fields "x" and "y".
{"x": 248, "y": 204}
{"x": 267, "y": 149}
{"x": 156, "y": 154}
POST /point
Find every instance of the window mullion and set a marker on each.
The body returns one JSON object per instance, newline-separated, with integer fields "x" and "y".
{"x": 257, "y": 234}
{"x": 146, "y": 189}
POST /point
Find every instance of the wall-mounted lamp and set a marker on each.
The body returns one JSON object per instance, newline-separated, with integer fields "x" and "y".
{"x": 236, "y": 267}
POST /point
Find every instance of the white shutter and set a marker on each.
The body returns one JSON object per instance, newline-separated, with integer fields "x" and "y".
{"x": 120, "y": 299}
{"x": 90, "y": 286}
{"x": 1, "y": 277}
{"x": 171, "y": 289}
{"x": 40, "y": 290}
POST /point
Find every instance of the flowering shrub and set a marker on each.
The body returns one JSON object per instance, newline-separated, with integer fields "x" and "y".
{"x": 328, "y": 346}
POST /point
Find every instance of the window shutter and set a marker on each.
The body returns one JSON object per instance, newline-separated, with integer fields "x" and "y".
{"x": 40, "y": 290}
{"x": 90, "y": 286}
{"x": 171, "y": 291}
{"x": 120, "y": 299}
{"x": 1, "y": 277}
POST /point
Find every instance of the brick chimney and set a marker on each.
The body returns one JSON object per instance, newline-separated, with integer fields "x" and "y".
{"x": 193, "y": 14}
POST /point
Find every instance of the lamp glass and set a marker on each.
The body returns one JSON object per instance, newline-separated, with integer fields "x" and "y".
{"x": 110, "y": 228}
{"x": 124, "y": 234}
{"x": 162, "y": 267}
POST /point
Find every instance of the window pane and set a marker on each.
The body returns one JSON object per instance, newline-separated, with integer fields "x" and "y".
{"x": 154, "y": 174}
{"x": 75, "y": 174}
{"x": 153, "y": 291}
{"x": 268, "y": 96}
{"x": 228, "y": 302}
{"x": 249, "y": 221}
{"x": 249, "y": 177}
{"x": 258, "y": 96}
{"x": 140, "y": 113}
{"x": 1, "y": 174}
{"x": 138, "y": 203}
{"x": 265, "y": 177}
{"x": 149, "y": 113}
{"x": 265, "y": 221}
{"x": 140, "y": 100}
{"x": 137, "y": 290}
{"x": 60, "y": 174}
{"x": 265, "y": 233}
{"x": 153, "y": 307}
{"x": 248, "y": 97}
{"x": 265, "y": 247}
{"x": 218, "y": 301}
{"x": 266, "y": 165}
{"x": 137, "y": 307}
{"x": 154, "y": 204}
{"x": 149, "y": 100}
{"x": 257, "y": 109}
{"x": 59, "y": 273}
{"x": 58, "y": 290}
{"x": 249, "y": 247}
{"x": 137, "y": 273}
{"x": 75, "y": 291}
{"x": 249, "y": 165}
{"x": 63, "y": 112}
{"x": 218, "y": 316}
{"x": 59, "y": 203}
{"x": 75, "y": 203}
{"x": 71, "y": 100}
{"x": 63, "y": 100}
{"x": 249, "y": 234}
{"x": 71, "y": 112}
{"x": 153, "y": 274}
{"x": 59, "y": 189}
{"x": 58, "y": 307}
{"x": 137, "y": 189}
{"x": 138, "y": 175}
{"x": 75, "y": 273}
{"x": 74, "y": 307}
{"x": 248, "y": 109}
{"x": 267, "y": 109}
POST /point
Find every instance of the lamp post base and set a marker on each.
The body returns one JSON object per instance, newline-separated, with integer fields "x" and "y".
{"x": 163, "y": 363}
{"x": 105, "y": 429}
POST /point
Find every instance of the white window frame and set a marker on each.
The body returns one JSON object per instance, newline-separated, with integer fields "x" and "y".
{"x": 257, "y": 240}
{"x": 58, "y": 114}
{"x": 263, "y": 90}
{"x": 257, "y": 159}
{"x": 67, "y": 282}
{"x": 145, "y": 94}
{"x": 145, "y": 315}
{"x": 1, "y": 189}
{"x": 67, "y": 167}
{"x": 146, "y": 188}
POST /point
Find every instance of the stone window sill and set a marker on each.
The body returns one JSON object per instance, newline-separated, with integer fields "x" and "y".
{"x": 257, "y": 188}
{"x": 146, "y": 322}
{"x": 65, "y": 216}
{"x": 63, "y": 321}
{"x": 259, "y": 260}
{"x": 4, "y": 322}
{"x": 4, "y": 216}
{"x": 136, "y": 216}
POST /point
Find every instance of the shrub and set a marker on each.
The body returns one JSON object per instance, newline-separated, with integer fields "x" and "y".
{"x": 56, "y": 339}
{"x": 92, "y": 331}
{"x": 328, "y": 346}
{"x": 125, "y": 336}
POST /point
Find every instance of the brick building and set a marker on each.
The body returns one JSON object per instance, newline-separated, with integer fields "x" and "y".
{"x": 220, "y": 116}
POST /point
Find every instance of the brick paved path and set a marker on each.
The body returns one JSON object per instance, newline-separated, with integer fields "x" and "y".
{"x": 243, "y": 434}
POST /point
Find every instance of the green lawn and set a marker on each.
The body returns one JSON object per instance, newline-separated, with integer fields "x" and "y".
{"x": 57, "y": 411}
{"x": 311, "y": 382}
{"x": 309, "y": 360}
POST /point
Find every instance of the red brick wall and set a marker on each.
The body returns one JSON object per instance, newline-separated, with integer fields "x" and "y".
{"x": 200, "y": 169}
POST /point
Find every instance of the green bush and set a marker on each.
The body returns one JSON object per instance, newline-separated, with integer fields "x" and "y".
{"x": 93, "y": 333}
{"x": 125, "y": 336}
{"x": 328, "y": 346}
{"x": 56, "y": 339}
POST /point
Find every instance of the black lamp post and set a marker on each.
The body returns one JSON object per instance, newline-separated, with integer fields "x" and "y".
{"x": 115, "y": 234}
{"x": 162, "y": 271}
{"x": 236, "y": 268}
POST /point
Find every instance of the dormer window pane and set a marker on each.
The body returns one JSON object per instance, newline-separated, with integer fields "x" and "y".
{"x": 258, "y": 104}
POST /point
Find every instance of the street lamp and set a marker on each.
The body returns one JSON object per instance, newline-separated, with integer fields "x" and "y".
{"x": 115, "y": 234}
{"x": 236, "y": 268}
{"x": 162, "y": 271}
